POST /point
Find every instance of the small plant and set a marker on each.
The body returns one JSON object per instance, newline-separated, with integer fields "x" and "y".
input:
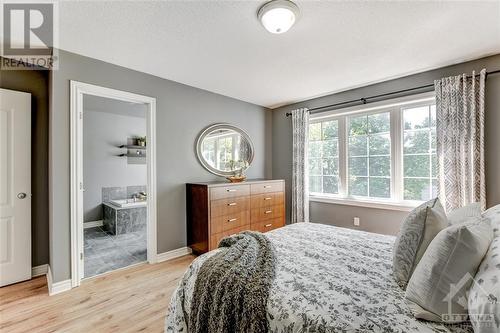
{"x": 141, "y": 141}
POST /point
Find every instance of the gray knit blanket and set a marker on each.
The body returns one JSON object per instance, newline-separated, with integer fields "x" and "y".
{"x": 232, "y": 288}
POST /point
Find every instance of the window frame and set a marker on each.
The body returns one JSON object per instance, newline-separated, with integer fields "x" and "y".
{"x": 394, "y": 107}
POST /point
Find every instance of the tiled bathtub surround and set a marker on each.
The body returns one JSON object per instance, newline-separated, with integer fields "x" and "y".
{"x": 125, "y": 192}
{"x": 119, "y": 221}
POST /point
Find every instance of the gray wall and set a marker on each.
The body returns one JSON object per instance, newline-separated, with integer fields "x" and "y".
{"x": 386, "y": 221}
{"x": 182, "y": 112}
{"x": 103, "y": 132}
{"x": 36, "y": 83}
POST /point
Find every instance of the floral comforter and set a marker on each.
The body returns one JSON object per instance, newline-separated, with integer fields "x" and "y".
{"x": 328, "y": 279}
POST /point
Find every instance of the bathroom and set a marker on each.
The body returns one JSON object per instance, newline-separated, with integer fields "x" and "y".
{"x": 114, "y": 183}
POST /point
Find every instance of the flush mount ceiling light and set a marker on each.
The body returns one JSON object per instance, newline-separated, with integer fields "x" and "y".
{"x": 278, "y": 16}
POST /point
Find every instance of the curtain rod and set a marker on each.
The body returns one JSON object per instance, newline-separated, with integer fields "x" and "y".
{"x": 365, "y": 100}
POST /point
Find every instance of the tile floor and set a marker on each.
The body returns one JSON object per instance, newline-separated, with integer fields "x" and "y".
{"x": 104, "y": 252}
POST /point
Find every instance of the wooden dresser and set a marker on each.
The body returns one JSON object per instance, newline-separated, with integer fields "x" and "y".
{"x": 216, "y": 210}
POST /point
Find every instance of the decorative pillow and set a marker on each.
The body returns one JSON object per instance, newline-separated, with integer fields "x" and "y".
{"x": 484, "y": 295}
{"x": 438, "y": 287}
{"x": 417, "y": 231}
{"x": 461, "y": 214}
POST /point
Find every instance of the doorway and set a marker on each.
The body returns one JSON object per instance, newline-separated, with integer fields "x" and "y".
{"x": 113, "y": 180}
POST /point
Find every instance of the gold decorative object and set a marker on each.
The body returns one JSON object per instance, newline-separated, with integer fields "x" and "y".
{"x": 236, "y": 179}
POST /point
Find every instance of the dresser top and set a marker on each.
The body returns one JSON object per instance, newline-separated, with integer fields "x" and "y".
{"x": 227, "y": 183}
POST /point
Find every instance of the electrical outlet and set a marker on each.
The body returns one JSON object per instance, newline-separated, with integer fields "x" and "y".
{"x": 356, "y": 221}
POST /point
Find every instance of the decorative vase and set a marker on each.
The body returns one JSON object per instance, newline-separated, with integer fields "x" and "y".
{"x": 236, "y": 179}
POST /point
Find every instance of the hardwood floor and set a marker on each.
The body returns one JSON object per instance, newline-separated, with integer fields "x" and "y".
{"x": 130, "y": 300}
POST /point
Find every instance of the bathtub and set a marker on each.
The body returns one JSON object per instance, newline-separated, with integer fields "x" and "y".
{"x": 128, "y": 203}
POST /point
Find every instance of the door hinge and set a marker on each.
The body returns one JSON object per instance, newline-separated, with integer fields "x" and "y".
{"x": 81, "y": 186}
{"x": 81, "y": 255}
{"x": 81, "y": 115}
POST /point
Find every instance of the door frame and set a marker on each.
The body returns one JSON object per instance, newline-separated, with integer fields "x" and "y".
{"x": 77, "y": 91}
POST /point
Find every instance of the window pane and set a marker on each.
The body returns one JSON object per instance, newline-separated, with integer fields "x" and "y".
{"x": 358, "y": 125}
{"x": 315, "y": 184}
{"x": 380, "y": 144}
{"x": 315, "y": 149}
{"x": 330, "y": 184}
{"x": 330, "y": 166}
{"x": 433, "y": 141}
{"x": 417, "y": 189}
{"x": 315, "y": 132}
{"x": 358, "y": 186}
{"x": 315, "y": 167}
{"x": 416, "y": 166}
{"x": 433, "y": 115}
{"x": 416, "y": 142}
{"x": 357, "y": 146}
{"x": 416, "y": 118}
{"x": 330, "y": 130}
{"x": 358, "y": 166}
{"x": 379, "y": 123}
{"x": 380, "y": 166}
{"x": 380, "y": 187}
{"x": 330, "y": 148}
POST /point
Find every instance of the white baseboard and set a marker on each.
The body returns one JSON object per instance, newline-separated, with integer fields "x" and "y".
{"x": 57, "y": 287}
{"x": 39, "y": 270}
{"x": 92, "y": 224}
{"x": 160, "y": 257}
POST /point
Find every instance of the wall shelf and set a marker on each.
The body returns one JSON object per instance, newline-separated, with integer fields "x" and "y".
{"x": 132, "y": 147}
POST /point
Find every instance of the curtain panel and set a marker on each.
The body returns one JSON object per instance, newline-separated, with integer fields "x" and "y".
{"x": 300, "y": 183}
{"x": 460, "y": 140}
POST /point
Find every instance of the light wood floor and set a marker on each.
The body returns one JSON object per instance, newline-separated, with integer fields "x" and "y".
{"x": 130, "y": 300}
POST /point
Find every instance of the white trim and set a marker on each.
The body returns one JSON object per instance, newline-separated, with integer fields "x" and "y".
{"x": 39, "y": 270}
{"x": 173, "y": 254}
{"x": 92, "y": 224}
{"x": 389, "y": 205}
{"x": 78, "y": 89}
{"x": 56, "y": 287}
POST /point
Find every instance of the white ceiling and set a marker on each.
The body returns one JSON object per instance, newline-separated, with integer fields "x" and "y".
{"x": 220, "y": 46}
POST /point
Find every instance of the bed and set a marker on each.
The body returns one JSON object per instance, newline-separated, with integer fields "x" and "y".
{"x": 328, "y": 279}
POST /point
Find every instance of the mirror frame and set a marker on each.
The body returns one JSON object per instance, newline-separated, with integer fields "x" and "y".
{"x": 210, "y": 129}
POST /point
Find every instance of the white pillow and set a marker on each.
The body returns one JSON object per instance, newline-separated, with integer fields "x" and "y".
{"x": 450, "y": 262}
{"x": 461, "y": 214}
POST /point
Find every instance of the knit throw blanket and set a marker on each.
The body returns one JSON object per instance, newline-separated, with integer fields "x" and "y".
{"x": 232, "y": 287}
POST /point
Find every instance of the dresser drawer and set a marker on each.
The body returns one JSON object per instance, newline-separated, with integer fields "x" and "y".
{"x": 268, "y": 225}
{"x": 216, "y": 238}
{"x": 230, "y": 191}
{"x": 266, "y": 213}
{"x": 267, "y": 199}
{"x": 228, "y": 222}
{"x": 266, "y": 187}
{"x": 229, "y": 206}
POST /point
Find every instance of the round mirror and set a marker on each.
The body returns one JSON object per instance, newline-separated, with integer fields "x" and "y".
{"x": 224, "y": 150}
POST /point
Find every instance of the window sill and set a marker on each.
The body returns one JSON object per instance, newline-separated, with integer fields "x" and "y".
{"x": 390, "y": 205}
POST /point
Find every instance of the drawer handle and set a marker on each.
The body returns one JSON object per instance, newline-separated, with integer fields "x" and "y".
{"x": 268, "y": 225}
{"x": 232, "y": 220}
{"x": 268, "y": 198}
{"x": 267, "y": 186}
{"x": 268, "y": 212}
{"x": 232, "y": 204}
{"x": 231, "y": 190}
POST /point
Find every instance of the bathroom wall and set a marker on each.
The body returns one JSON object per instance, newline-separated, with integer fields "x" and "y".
{"x": 182, "y": 112}
{"x": 103, "y": 132}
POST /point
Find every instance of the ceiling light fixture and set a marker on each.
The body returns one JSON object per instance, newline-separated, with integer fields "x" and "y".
{"x": 278, "y": 16}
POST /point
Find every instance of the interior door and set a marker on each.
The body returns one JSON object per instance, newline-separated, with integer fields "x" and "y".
{"x": 15, "y": 186}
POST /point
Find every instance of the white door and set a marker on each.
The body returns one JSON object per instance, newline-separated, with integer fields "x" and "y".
{"x": 15, "y": 186}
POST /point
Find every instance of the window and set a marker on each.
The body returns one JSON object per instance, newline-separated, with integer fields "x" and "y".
{"x": 419, "y": 152}
{"x": 323, "y": 157}
{"x": 369, "y": 150}
{"x": 384, "y": 153}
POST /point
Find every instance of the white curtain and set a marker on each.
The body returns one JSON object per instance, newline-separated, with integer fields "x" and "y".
{"x": 300, "y": 185}
{"x": 460, "y": 139}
